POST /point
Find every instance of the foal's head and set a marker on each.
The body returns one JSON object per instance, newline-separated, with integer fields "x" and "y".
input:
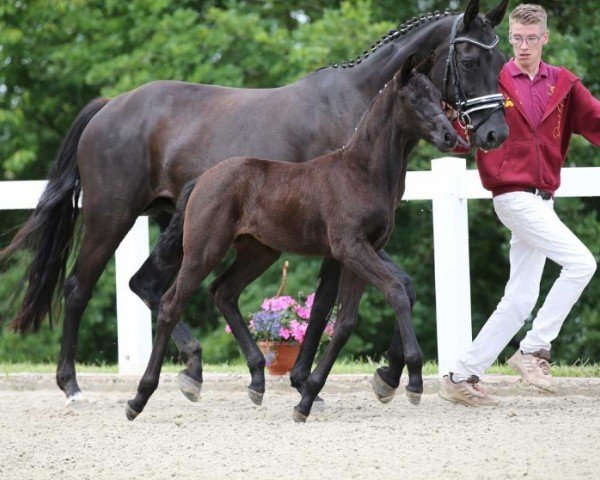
{"x": 419, "y": 108}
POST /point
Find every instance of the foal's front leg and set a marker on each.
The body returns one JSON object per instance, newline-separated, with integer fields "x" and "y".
{"x": 386, "y": 379}
{"x": 392, "y": 282}
{"x": 351, "y": 289}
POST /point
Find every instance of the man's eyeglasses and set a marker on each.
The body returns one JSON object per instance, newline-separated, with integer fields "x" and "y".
{"x": 532, "y": 40}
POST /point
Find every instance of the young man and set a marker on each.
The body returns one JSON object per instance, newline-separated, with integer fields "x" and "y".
{"x": 544, "y": 106}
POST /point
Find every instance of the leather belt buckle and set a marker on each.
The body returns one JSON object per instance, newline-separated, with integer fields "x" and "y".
{"x": 543, "y": 193}
{"x": 536, "y": 191}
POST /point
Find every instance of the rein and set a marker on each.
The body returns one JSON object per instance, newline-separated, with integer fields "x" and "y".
{"x": 466, "y": 106}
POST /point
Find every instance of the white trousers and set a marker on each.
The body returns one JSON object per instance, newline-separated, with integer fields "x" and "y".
{"x": 537, "y": 234}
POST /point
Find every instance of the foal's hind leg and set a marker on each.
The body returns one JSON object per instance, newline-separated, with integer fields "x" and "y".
{"x": 350, "y": 292}
{"x": 152, "y": 280}
{"x": 251, "y": 260}
{"x": 386, "y": 379}
{"x": 196, "y": 266}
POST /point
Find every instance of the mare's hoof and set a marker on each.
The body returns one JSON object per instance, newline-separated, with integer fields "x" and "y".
{"x": 318, "y": 405}
{"x": 256, "y": 397}
{"x": 130, "y": 413}
{"x": 189, "y": 387}
{"x": 298, "y": 416}
{"x": 414, "y": 398}
{"x": 78, "y": 399}
{"x": 382, "y": 390}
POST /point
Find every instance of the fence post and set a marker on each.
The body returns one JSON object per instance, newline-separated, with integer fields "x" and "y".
{"x": 451, "y": 257}
{"x": 133, "y": 317}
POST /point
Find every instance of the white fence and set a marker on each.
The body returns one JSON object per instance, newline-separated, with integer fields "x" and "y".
{"x": 449, "y": 185}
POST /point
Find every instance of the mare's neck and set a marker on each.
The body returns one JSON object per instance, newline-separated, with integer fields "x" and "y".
{"x": 372, "y": 73}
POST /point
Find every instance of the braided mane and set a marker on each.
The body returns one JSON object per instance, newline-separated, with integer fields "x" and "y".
{"x": 402, "y": 29}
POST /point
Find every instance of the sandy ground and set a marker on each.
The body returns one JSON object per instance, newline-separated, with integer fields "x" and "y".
{"x": 225, "y": 436}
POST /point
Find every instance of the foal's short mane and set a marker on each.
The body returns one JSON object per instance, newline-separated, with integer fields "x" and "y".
{"x": 411, "y": 26}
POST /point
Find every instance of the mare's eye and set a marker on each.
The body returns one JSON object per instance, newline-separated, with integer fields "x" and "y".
{"x": 468, "y": 64}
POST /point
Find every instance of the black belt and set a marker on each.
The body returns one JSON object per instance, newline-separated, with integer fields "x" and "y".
{"x": 536, "y": 191}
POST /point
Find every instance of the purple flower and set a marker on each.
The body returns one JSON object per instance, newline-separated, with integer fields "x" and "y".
{"x": 266, "y": 325}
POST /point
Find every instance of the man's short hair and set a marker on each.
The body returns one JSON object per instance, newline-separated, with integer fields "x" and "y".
{"x": 529, "y": 14}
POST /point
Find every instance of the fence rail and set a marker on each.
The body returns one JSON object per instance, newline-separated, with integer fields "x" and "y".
{"x": 449, "y": 185}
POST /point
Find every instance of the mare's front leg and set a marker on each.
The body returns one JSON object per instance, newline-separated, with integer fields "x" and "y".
{"x": 386, "y": 379}
{"x": 251, "y": 261}
{"x": 325, "y": 297}
{"x": 351, "y": 288}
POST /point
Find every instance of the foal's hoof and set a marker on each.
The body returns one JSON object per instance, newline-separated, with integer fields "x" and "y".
{"x": 78, "y": 399}
{"x": 130, "y": 413}
{"x": 318, "y": 405}
{"x": 414, "y": 398}
{"x": 298, "y": 416}
{"x": 189, "y": 387}
{"x": 256, "y": 397}
{"x": 382, "y": 390}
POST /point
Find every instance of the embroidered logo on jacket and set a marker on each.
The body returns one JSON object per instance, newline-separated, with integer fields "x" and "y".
{"x": 556, "y": 130}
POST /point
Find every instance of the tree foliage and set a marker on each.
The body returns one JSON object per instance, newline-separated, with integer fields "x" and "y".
{"x": 57, "y": 55}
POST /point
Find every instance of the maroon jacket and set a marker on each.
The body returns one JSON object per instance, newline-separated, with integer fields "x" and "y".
{"x": 533, "y": 157}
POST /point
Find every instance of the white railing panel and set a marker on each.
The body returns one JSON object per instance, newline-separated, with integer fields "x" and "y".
{"x": 449, "y": 185}
{"x": 134, "y": 327}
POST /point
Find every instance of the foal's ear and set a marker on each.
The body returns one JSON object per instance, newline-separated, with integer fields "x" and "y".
{"x": 426, "y": 64}
{"x": 496, "y": 15}
{"x": 406, "y": 70}
{"x": 471, "y": 13}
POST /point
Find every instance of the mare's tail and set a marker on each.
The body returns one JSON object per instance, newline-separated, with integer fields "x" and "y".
{"x": 49, "y": 231}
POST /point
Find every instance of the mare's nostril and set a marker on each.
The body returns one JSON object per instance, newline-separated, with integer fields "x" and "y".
{"x": 491, "y": 138}
{"x": 448, "y": 138}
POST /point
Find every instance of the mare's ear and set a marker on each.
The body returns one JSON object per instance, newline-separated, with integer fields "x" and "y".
{"x": 471, "y": 13}
{"x": 426, "y": 64}
{"x": 406, "y": 70}
{"x": 496, "y": 15}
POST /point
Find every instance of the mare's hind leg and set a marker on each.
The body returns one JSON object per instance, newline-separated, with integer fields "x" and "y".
{"x": 350, "y": 292}
{"x": 325, "y": 297}
{"x": 252, "y": 259}
{"x": 386, "y": 379}
{"x": 100, "y": 240}
{"x": 150, "y": 283}
{"x": 195, "y": 268}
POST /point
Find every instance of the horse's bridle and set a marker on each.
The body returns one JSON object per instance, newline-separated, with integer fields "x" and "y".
{"x": 464, "y": 106}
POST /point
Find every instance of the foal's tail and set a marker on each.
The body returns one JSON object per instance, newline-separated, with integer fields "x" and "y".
{"x": 168, "y": 252}
{"x": 49, "y": 231}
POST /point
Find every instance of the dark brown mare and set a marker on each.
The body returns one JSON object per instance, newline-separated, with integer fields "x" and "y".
{"x": 341, "y": 205}
{"x": 133, "y": 155}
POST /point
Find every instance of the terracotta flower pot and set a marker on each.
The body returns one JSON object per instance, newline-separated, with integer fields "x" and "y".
{"x": 280, "y": 356}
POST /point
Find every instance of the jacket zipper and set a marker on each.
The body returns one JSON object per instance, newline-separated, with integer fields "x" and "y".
{"x": 537, "y": 159}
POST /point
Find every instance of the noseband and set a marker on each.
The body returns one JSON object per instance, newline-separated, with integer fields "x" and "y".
{"x": 464, "y": 106}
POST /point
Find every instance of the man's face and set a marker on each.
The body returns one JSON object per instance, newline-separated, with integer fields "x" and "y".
{"x": 528, "y": 53}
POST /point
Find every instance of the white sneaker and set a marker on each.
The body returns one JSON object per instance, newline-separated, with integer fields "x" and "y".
{"x": 467, "y": 392}
{"x": 534, "y": 368}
